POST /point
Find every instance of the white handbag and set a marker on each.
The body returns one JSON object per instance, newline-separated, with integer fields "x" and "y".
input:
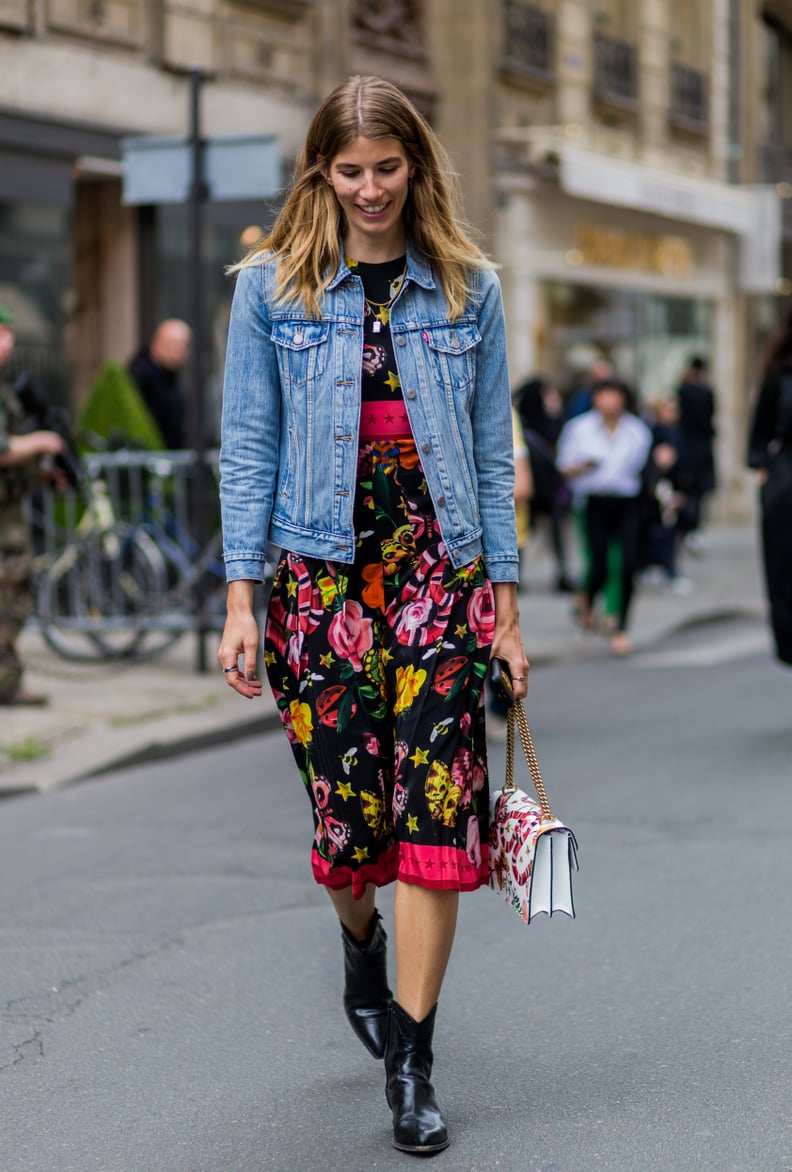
{"x": 531, "y": 854}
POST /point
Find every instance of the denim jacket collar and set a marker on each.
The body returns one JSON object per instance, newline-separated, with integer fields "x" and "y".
{"x": 418, "y": 269}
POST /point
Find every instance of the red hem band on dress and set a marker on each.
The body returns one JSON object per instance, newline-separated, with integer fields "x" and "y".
{"x": 381, "y": 872}
{"x": 385, "y": 421}
{"x": 444, "y": 868}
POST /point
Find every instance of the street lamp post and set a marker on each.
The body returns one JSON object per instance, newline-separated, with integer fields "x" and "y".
{"x": 198, "y": 196}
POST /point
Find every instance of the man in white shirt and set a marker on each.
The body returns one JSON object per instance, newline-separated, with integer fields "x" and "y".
{"x": 603, "y": 453}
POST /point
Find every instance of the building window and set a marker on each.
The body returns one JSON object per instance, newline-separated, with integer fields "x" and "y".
{"x": 615, "y": 72}
{"x": 528, "y": 40}
{"x": 775, "y": 146}
{"x": 690, "y": 50}
{"x": 393, "y": 26}
{"x": 688, "y": 109}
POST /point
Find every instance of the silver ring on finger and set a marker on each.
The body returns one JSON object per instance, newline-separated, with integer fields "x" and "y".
{"x": 233, "y": 667}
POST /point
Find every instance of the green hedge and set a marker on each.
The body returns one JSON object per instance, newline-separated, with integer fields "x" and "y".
{"x": 116, "y": 416}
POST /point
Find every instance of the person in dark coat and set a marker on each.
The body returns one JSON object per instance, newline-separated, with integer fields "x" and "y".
{"x": 155, "y": 369}
{"x": 770, "y": 453}
{"x": 696, "y": 463}
{"x": 540, "y": 411}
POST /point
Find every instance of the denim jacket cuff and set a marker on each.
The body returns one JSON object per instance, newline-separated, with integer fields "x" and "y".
{"x": 502, "y": 568}
{"x": 249, "y": 567}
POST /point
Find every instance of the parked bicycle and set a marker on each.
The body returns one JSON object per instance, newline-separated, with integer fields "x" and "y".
{"x": 97, "y": 575}
{"x": 111, "y": 588}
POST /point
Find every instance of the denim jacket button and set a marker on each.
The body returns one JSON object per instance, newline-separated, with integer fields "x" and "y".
{"x": 426, "y": 448}
{"x": 400, "y": 341}
{"x": 409, "y": 394}
{"x": 441, "y": 502}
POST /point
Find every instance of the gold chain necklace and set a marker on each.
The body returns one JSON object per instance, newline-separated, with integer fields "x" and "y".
{"x": 381, "y": 309}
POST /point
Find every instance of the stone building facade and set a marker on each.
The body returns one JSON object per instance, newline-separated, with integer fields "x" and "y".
{"x": 627, "y": 162}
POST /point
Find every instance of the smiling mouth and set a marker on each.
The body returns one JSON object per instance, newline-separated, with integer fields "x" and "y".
{"x": 372, "y": 209}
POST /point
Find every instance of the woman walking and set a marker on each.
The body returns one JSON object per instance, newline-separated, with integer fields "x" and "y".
{"x": 770, "y": 452}
{"x": 367, "y": 432}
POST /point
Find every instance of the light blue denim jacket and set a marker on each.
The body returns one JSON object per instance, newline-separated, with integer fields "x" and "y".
{"x": 291, "y": 406}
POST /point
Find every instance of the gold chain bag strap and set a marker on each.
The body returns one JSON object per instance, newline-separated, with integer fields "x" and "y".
{"x": 531, "y": 853}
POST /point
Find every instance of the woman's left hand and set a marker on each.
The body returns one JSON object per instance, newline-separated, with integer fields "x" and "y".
{"x": 507, "y": 642}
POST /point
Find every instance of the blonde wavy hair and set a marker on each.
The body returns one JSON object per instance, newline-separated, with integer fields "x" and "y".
{"x": 305, "y": 236}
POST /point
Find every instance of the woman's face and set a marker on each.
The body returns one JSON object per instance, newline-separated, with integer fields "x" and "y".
{"x": 370, "y": 178}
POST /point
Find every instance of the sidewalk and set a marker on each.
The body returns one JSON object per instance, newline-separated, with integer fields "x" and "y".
{"x": 107, "y": 714}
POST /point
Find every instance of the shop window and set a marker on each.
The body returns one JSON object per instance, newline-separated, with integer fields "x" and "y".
{"x": 648, "y": 338}
{"x": 35, "y": 285}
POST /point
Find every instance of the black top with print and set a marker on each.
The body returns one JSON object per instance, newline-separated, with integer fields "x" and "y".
{"x": 381, "y": 284}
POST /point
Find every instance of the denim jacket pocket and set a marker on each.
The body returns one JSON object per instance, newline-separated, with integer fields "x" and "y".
{"x": 453, "y": 353}
{"x": 302, "y": 349}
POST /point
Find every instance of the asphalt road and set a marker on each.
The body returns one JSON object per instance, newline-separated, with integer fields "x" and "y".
{"x": 171, "y": 977}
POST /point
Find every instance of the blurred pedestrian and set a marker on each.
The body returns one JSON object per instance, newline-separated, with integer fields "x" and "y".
{"x": 540, "y": 410}
{"x": 770, "y": 453}
{"x": 580, "y": 400}
{"x": 20, "y": 459}
{"x": 603, "y": 453}
{"x": 390, "y": 490}
{"x": 663, "y": 500}
{"x": 155, "y": 369}
{"x": 696, "y": 463}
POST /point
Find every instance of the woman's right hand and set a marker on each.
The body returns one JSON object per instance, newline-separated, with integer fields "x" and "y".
{"x": 240, "y": 642}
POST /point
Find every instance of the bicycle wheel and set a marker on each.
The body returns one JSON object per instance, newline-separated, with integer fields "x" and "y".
{"x": 96, "y": 599}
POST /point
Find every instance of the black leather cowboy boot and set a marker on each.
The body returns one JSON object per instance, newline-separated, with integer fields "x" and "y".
{"x": 418, "y": 1125}
{"x": 366, "y": 993}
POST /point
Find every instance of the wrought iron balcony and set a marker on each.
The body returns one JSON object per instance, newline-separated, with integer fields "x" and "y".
{"x": 528, "y": 40}
{"x": 689, "y": 106}
{"x": 615, "y": 72}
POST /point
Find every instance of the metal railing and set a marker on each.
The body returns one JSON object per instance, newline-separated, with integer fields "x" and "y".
{"x": 118, "y": 569}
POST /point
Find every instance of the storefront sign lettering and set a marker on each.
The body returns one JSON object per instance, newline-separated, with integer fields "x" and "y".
{"x": 670, "y": 255}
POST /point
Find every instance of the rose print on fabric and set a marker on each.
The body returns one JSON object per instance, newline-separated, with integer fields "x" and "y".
{"x": 350, "y": 634}
{"x": 481, "y": 614}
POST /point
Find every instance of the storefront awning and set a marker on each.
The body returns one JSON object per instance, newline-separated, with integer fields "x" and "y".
{"x": 753, "y": 214}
